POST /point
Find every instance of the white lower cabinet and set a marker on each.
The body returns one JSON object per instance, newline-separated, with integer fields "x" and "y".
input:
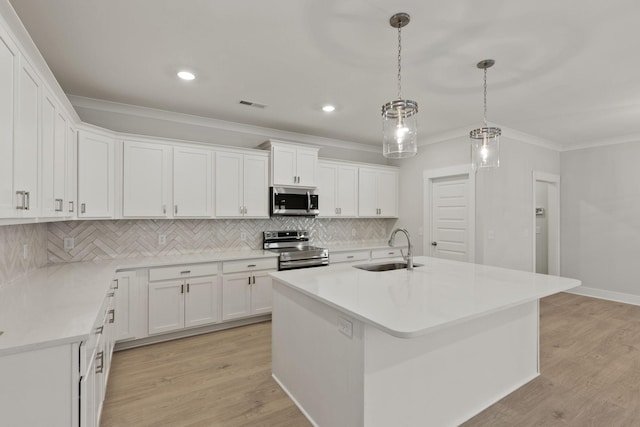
{"x": 183, "y": 301}
{"x": 247, "y": 290}
{"x": 126, "y": 303}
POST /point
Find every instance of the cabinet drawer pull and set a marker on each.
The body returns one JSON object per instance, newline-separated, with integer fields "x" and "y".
{"x": 350, "y": 256}
{"x": 112, "y": 313}
{"x": 251, "y": 265}
{"x": 110, "y": 294}
{"x": 185, "y": 272}
{"x": 99, "y": 330}
{"x": 392, "y": 253}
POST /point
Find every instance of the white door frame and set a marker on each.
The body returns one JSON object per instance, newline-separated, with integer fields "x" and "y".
{"x": 553, "y": 238}
{"x": 429, "y": 176}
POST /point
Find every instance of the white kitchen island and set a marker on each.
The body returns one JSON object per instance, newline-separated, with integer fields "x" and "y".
{"x": 428, "y": 347}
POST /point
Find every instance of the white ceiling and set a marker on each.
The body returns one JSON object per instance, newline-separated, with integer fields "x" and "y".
{"x": 567, "y": 71}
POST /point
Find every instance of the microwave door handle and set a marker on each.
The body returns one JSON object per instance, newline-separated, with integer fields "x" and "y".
{"x": 308, "y": 202}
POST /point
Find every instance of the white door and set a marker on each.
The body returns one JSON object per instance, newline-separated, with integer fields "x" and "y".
{"x": 367, "y": 192}
{"x": 96, "y": 176}
{"x": 284, "y": 166}
{"x": 166, "y": 306}
{"x": 388, "y": 193}
{"x": 201, "y": 301}
{"x": 327, "y": 185}
{"x": 236, "y": 296}
{"x": 48, "y": 130}
{"x": 229, "y": 184}
{"x": 546, "y": 223}
{"x": 192, "y": 182}
{"x": 146, "y": 189}
{"x": 261, "y": 295}
{"x": 450, "y": 218}
{"x": 256, "y": 186}
{"x": 347, "y": 189}
{"x": 27, "y": 137}
{"x": 8, "y": 72}
{"x": 306, "y": 166}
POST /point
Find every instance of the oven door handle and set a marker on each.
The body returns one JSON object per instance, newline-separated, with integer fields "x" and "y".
{"x": 308, "y": 201}
{"x": 302, "y": 263}
{"x": 285, "y": 259}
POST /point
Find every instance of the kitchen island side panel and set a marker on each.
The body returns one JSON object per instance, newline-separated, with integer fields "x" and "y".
{"x": 445, "y": 377}
{"x": 318, "y": 366}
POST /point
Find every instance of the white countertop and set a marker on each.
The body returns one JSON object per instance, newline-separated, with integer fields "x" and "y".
{"x": 411, "y": 303}
{"x": 60, "y": 303}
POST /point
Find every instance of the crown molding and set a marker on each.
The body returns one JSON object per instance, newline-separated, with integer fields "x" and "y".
{"x": 170, "y": 116}
{"x": 635, "y": 137}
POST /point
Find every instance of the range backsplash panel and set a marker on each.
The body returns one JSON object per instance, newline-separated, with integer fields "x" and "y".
{"x": 13, "y": 238}
{"x": 111, "y": 239}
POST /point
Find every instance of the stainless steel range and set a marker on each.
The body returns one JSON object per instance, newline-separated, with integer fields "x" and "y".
{"x": 294, "y": 249}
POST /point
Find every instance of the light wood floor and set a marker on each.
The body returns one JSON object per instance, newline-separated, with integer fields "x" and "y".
{"x": 590, "y": 363}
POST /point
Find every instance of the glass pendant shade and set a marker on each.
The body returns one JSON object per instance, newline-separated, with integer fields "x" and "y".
{"x": 485, "y": 147}
{"x": 400, "y": 129}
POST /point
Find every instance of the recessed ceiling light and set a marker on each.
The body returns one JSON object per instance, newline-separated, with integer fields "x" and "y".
{"x": 186, "y": 75}
{"x": 328, "y": 108}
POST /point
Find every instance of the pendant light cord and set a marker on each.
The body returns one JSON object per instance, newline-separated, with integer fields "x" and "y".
{"x": 399, "y": 62}
{"x": 485, "y": 97}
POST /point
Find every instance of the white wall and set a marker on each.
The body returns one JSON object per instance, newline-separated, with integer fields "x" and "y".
{"x": 503, "y": 196}
{"x": 600, "y": 217}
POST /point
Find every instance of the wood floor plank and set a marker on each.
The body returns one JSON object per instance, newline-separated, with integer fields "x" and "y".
{"x": 589, "y": 357}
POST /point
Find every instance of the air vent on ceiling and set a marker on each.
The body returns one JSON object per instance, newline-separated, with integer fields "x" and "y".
{"x": 252, "y": 104}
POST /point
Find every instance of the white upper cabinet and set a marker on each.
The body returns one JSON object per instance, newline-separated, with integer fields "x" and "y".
{"x": 241, "y": 185}
{"x": 338, "y": 189}
{"x": 292, "y": 165}
{"x": 96, "y": 175}
{"x": 378, "y": 192}
{"x": 27, "y": 142}
{"x": 192, "y": 182}
{"x": 54, "y": 146}
{"x": 146, "y": 180}
{"x": 8, "y": 87}
{"x": 71, "y": 204}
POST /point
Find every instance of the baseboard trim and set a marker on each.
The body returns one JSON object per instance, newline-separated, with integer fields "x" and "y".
{"x": 133, "y": 343}
{"x": 607, "y": 295}
{"x": 305, "y": 413}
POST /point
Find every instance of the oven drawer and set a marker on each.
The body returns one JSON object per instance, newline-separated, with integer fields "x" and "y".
{"x": 249, "y": 265}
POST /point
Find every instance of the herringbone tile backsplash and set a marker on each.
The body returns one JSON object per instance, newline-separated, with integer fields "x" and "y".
{"x": 13, "y": 238}
{"x": 97, "y": 240}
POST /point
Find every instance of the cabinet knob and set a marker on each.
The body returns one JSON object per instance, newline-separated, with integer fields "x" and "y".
{"x": 434, "y": 243}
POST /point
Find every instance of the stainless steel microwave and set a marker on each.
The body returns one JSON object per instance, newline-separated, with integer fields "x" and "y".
{"x": 293, "y": 202}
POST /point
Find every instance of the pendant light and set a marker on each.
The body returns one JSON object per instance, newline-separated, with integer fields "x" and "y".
{"x": 399, "y": 121}
{"x": 485, "y": 141}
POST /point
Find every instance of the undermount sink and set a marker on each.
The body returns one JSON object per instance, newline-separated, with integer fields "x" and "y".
{"x": 385, "y": 266}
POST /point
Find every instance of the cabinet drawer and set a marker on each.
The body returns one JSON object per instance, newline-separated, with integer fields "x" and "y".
{"x": 387, "y": 253}
{"x": 179, "y": 271}
{"x": 348, "y": 256}
{"x": 249, "y": 265}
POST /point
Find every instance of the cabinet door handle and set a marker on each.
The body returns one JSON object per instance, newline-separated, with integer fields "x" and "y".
{"x": 100, "y": 367}
{"x": 249, "y": 280}
{"x": 241, "y": 209}
{"x": 99, "y": 330}
{"x": 110, "y": 294}
{"x": 58, "y": 203}
{"x": 175, "y": 209}
{"x": 22, "y": 194}
{"x": 182, "y": 288}
{"x": 245, "y": 210}
{"x": 164, "y": 209}
{"x": 115, "y": 282}
{"x": 83, "y": 207}
{"x": 70, "y": 206}
{"x": 254, "y": 280}
{"x": 336, "y": 210}
{"x": 187, "y": 287}
{"x": 28, "y": 194}
{"x": 112, "y": 314}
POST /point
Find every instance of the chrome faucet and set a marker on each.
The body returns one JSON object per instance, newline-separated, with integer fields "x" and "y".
{"x": 409, "y": 257}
